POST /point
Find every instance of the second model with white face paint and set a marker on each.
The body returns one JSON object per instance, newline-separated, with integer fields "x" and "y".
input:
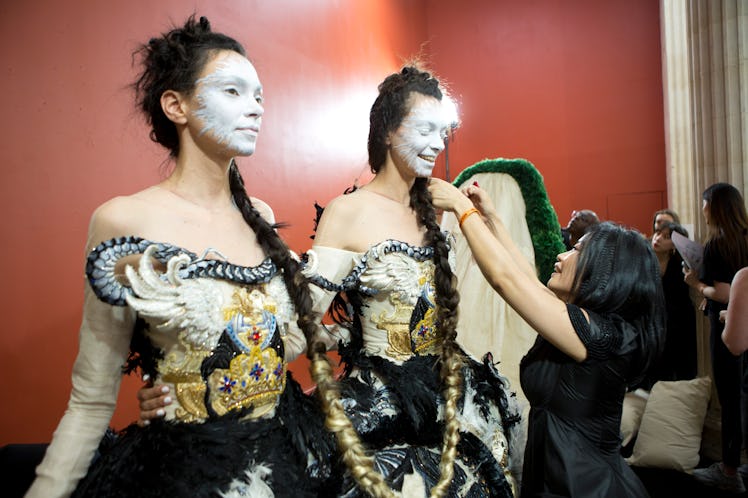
{"x": 420, "y": 138}
{"x": 230, "y": 104}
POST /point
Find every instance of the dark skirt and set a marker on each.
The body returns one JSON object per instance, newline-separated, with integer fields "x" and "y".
{"x": 398, "y": 423}
{"x": 201, "y": 460}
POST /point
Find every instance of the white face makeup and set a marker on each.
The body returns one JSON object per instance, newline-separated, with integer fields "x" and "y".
{"x": 420, "y": 137}
{"x": 230, "y": 103}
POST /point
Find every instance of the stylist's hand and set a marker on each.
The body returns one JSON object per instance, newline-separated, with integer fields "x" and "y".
{"x": 480, "y": 199}
{"x": 445, "y": 196}
{"x": 152, "y": 400}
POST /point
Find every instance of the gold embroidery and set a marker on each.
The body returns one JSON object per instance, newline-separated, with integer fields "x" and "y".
{"x": 255, "y": 377}
{"x": 425, "y": 334}
{"x": 403, "y": 342}
{"x": 249, "y": 303}
{"x": 397, "y": 327}
{"x": 191, "y": 397}
{"x": 182, "y": 368}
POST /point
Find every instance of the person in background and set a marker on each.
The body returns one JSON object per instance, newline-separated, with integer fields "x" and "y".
{"x": 580, "y": 222}
{"x": 600, "y": 324}
{"x": 678, "y": 359}
{"x": 662, "y": 217}
{"x": 725, "y": 252}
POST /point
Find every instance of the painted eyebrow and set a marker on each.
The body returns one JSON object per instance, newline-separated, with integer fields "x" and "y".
{"x": 219, "y": 79}
{"x": 431, "y": 124}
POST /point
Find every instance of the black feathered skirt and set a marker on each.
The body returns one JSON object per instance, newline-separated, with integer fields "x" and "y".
{"x": 397, "y": 411}
{"x": 287, "y": 455}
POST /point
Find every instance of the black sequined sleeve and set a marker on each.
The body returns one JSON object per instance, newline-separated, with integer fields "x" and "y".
{"x": 599, "y": 336}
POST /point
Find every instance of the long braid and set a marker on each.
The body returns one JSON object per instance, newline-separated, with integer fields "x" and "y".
{"x": 274, "y": 247}
{"x": 447, "y": 300}
{"x": 352, "y": 451}
{"x": 337, "y": 422}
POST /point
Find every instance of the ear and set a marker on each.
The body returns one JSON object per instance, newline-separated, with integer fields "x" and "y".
{"x": 174, "y": 106}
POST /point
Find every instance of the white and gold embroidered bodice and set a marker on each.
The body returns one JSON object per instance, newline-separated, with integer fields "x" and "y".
{"x": 189, "y": 317}
{"x": 396, "y": 281}
{"x": 220, "y": 329}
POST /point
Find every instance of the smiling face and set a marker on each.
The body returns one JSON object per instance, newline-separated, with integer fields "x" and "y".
{"x": 562, "y": 278}
{"x": 228, "y": 98}
{"x": 419, "y": 139}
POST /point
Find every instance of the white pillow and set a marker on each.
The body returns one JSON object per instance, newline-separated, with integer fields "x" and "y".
{"x": 631, "y": 417}
{"x": 670, "y": 432}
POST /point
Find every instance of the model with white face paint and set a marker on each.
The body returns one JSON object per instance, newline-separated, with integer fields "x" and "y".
{"x": 230, "y": 100}
{"x": 382, "y": 245}
{"x": 192, "y": 276}
{"x": 420, "y": 138}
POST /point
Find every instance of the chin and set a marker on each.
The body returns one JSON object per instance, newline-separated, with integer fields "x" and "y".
{"x": 246, "y": 150}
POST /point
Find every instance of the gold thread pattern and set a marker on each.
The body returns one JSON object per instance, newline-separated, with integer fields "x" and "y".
{"x": 256, "y": 377}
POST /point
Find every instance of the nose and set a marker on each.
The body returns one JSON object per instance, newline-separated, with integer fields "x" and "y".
{"x": 562, "y": 256}
{"x": 254, "y": 108}
{"x": 437, "y": 145}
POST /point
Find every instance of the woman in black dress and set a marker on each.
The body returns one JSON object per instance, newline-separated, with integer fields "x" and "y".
{"x": 678, "y": 360}
{"x": 600, "y": 323}
{"x": 725, "y": 252}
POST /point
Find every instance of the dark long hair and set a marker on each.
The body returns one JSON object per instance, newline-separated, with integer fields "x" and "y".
{"x": 173, "y": 61}
{"x": 618, "y": 273}
{"x": 728, "y": 224}
{"x": 277, "y": 250}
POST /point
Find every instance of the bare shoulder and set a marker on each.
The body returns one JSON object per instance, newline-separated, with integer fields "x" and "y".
{"x": 338, "y": 218}
{"x": 741, "y": 277}
{"x": 739, "y": 284}
{"x": 117, "y": 217}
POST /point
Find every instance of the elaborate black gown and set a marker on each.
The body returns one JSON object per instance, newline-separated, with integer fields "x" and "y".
{"x": 392, "y": 389}
{"x": 573, "y": 443}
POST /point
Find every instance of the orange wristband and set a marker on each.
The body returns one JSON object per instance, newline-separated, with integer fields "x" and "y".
{"x": 466, "y": 214}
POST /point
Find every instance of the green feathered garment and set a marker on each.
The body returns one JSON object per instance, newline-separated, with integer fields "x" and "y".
{"x": 545, "y": 230}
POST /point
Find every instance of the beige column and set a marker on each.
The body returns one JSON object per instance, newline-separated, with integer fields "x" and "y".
{"x": 705, "y": 80}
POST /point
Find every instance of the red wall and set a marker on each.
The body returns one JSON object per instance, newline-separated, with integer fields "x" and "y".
{"x": 573, "y": 86}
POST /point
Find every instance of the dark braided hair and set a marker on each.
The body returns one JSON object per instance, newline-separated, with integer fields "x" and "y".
{"x": 277, "y": 250}
{"x": 173, "y": 61}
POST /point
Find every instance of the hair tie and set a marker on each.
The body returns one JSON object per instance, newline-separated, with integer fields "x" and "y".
{"x": 466, "y": 214}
